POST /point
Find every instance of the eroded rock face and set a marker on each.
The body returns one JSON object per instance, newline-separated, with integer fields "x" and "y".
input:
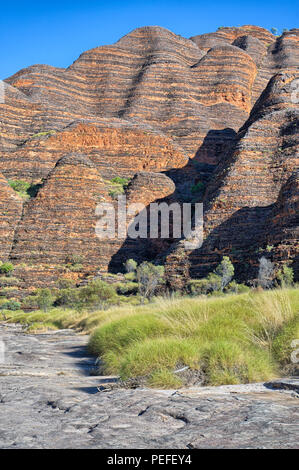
{"x": 115, "y": 146}
{"x": 246, "y": 190}
{"x": 48, "y": 399}
{"x": 217, "y": 108}
{"x": 284, "y": 224}
{"x": 58, "y": 221}
{"x": 11, "y": 208}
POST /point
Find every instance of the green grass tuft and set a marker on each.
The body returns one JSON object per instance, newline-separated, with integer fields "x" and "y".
{"x": 237, "y": 338}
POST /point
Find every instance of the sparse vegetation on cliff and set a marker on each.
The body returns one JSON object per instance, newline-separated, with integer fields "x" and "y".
{"x": 118, "y": 186}
{"x": 24, "y": 189}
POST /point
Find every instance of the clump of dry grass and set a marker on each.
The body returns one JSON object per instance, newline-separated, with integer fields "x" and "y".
{"x": 273, "y": 309}
{"x": 231, "y": 339}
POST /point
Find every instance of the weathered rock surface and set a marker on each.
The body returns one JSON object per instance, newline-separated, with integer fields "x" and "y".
{"x": 115, "y": 146}
{"x": 11, "y": 207}
{"x": 48, "y": 399}
{"x": 217, "y": 108}
{"x": 246, "y": 201}
{"x": 58, "y": 220}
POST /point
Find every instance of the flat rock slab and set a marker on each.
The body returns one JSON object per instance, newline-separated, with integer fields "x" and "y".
{"x": 48, "y": 399}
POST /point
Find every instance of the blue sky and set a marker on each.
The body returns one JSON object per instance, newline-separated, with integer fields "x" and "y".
{"x": 56, "y": 32}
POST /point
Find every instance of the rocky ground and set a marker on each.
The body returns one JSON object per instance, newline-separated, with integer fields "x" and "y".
{"x": 48, "y": 399}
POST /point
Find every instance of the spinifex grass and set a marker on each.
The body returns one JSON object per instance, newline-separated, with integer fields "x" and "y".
{"x": 231, "y": 339}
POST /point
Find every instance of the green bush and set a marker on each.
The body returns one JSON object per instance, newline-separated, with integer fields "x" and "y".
{"x": 44, "y": 133}
{"x": 149, "y": 277}
{"x": 206, "y": 285}
{"x": 285, "y": 276}
{"x": 130, "y": 266}
{"x": 75, "y": 268}
{"x": 214, "y": 282}
{"x": 74, "y": 262}
{"x": 225, "y": 270}
{"x": 164, "y": 379}
{"x": 121, "y": 181}
{"x": 198, "y": 286}
{"x": 130, "y": 276}
{"x": 8, "y": 281}
{"x": 44, "y": 299}
{"x": 226, "y": 362}
{"x": 118, "y": 186}
{"x": 24, "y": 189}
{"x": 236, "y": 288}
{"x": 114, "y": 336}
{"x": 127, "y": 288}
{"x": 10, "y": 305}
{"x": 74, "y": 259}
{"x": 97, "y": 294}
{"x": 68, "y": 297}
{"x": 65, "y": 283}
{"x": 6, "y": 268}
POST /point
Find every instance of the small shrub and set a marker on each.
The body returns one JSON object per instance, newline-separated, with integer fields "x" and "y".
{"x": 273, "y": 310}
{"x": 226, "y": 362}
{"x": 42, "y": 134}
{"x": 97, "y": 294}
{"x": 24, "y": 189}
{"x": 20, "y": 186}
{"x": 115, "y": 192}
{"x": 118, "y": 186}
{"x": 236, "y": 288}
{"x": 8, "y": 281}
{"x": 149, "y": 276}
{"x": 10, "y": 305}
{"x": 6, "y": 268}
{"x": 44, "y": 299}
{"x": 266, "y": 273}
{"x": 282, "y": 344}
{"x": 127, "y": 288}
{"x": 75, "y": 268}
{"x": 207, "y": 285}
{"x": 225, "y": 270}
{"x": 65, "y": 283}
{"x": 198, "y": 286}
{"x": 122, "y": 181}
{"x": 130, "y": 265}
{"x": 68, "y": 297}
{"x": 130, "y": 276}
{"x": 74, "y": 259}
{"x": 285, "y": 276}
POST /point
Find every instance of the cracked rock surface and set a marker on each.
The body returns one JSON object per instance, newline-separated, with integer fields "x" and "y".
{"x": 48, "y": 399}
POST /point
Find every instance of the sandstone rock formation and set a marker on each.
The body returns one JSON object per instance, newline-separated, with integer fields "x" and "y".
{"x": 11, "y": 207}
{"x": 218, "y": 108}
{"x": 244, "y": 192}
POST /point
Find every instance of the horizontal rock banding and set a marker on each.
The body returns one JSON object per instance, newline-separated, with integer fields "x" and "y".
{"x": 216, "y": 108}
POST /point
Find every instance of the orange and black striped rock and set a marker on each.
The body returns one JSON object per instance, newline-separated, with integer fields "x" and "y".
{"x": 115, "y": 146}
{"x": 241, "y": 197}
{"x": 215, "y": 108}
{"x": 283, "y": 234}
{"x": 60, "y": 223}
{"x": 11, "y": 208}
